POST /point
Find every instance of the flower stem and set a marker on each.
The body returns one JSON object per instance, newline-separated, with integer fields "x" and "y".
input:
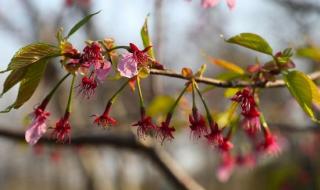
{"x": 68, "y": 109}
{"x": 209, "y": 117}
{"x": 119, "y": 47}
{"x": 140, "y": 93}
{"x": 177, "y": 101}
{"x": 193, "y": 95}
{"x": 49, "y": 96}
{"x": 263, "y": 121}
{"x": 112, "y": 99}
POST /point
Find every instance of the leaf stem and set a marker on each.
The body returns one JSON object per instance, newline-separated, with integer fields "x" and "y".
{"x": 68, "y": 109}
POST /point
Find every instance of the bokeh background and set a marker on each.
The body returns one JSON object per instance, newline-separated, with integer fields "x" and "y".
{"x": 181, "y": 31}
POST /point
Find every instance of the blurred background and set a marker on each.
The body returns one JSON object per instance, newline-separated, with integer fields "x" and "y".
{"x": 180, "y": 30}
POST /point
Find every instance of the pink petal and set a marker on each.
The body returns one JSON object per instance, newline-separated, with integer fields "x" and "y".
{"x": 103, "y": 72}
{"x": 35, "y": 131}
{"x": 231, "y": 4}
{"x": 209, "y": 3}
{"x": 127, "y": 66}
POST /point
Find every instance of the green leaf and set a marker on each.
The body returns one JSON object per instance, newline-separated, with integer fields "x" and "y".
{"x": 226, "y": 65}
{"x": 160, "y": 105}
{"x": 31, "y": 54}
{"x": 14, "y": 77}
{"x": 146, "y": 38}
{"x": 81, "y": 23}
{"x": 30, "y": 82}
{"x": 251, "y": 41}
{"x": 304, "y": 90}
{"x": 312, "y": 53}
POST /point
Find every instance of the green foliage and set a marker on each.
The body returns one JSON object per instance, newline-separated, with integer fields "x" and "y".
{"x": 312, "y": 53}
{"x": 160, "y": 105}
{"x": 30, "y": 82}
{"x": 146, "y": 38}
{"x": 226, "y": 65}
{"x": 304, "y": 90}
{"x": 14, "y": 77}
{"x": 32, "y": 54}
{"x": 251, "y": 41}
{"x": 80, "y": 24}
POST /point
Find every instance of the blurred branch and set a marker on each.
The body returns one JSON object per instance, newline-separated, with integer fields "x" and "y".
{"x": 229, "y": 84}
{"x": 164, "y": 162}
{"x": 300, "y": 6}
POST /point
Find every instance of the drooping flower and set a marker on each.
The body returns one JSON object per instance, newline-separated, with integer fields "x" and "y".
{"x": 129, "y": 63}
{"x": 145, "y": 125}
{"x": 246, "y": 160}
{"x": 226, "y": 145}
{"x": 251, "y": 121}
{"x": 251, "y": 125}
{"x": 38, "y": 126}
{"x": 91, "y": 55}
{"x": 105, "y": 120}
{"x": 211, "y": 3}
{"x": 165, "y": 131}
{"x": 215, "y": 137}
{"x": 63, "y": 129}
{"x": 88, "y": 86}
{"x": 246, "y": 100}
{"x": 270, "y": 145}
{"x": 197, "y": 124}
{"x": 225, "y": 167}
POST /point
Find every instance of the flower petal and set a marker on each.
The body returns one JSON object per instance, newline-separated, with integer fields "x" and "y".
{"x": 209, "y": 3}
{"x": 103, "y": 71}
{"x": 127, "y": 66}
{"x": 231, "y": 4}
{"x": 36, "y": 130}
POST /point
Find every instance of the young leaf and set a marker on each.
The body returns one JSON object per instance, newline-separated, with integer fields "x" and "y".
{"x": 304, "y": 90}
{"x": 31, "y": 54}
{"x": 160, "y": 105}
{"x": 251, "y": 41}
{"x": 146, "y": 38}
{"x": 226, "y": 65}
{"x": 312, "y": 53}
{"x": 81, "y": 23}
{"x": 14, "y": 77}
{"x": 30, "y": 82}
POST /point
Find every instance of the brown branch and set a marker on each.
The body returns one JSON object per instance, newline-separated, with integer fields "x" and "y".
{"x": 162, "y": 160}
{"x": 229, "y": 84}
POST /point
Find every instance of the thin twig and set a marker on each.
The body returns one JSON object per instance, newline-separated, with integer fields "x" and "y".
{"x": 229, "y": 84}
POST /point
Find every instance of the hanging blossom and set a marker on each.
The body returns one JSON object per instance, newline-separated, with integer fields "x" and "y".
{"x": 226, "y": 167}
{"x": 129, "y": 63}
{"x": 93, "y": 62}
{"x": 165, "y": 131}
{"x": 104, "y": 120}
{"x": 38, "y": 126}
{"x": 212, "y": 3}
{"x": 145, "y": 125}
{"x": 63, "y": 129}
{"x": 251, "y": 122}
{"x": 215, "y": 136}
{"x": 197, "y": 124}
{"x": 270, "y": 144}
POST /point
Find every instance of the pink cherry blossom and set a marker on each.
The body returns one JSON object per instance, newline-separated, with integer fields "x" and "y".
{"x": 128, "y": 66}
{"x": 211, "y": 3}
{"x": 102, "y": 70}
{"x": 38, "y": 126}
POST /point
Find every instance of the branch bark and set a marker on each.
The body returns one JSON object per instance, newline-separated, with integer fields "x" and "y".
{"x": 161, "y": 159}
{"x": 229, "y": 84}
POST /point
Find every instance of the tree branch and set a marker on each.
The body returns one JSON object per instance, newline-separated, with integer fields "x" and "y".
{"x": 162, "y": 160}
{"x": 229, "y": 84}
